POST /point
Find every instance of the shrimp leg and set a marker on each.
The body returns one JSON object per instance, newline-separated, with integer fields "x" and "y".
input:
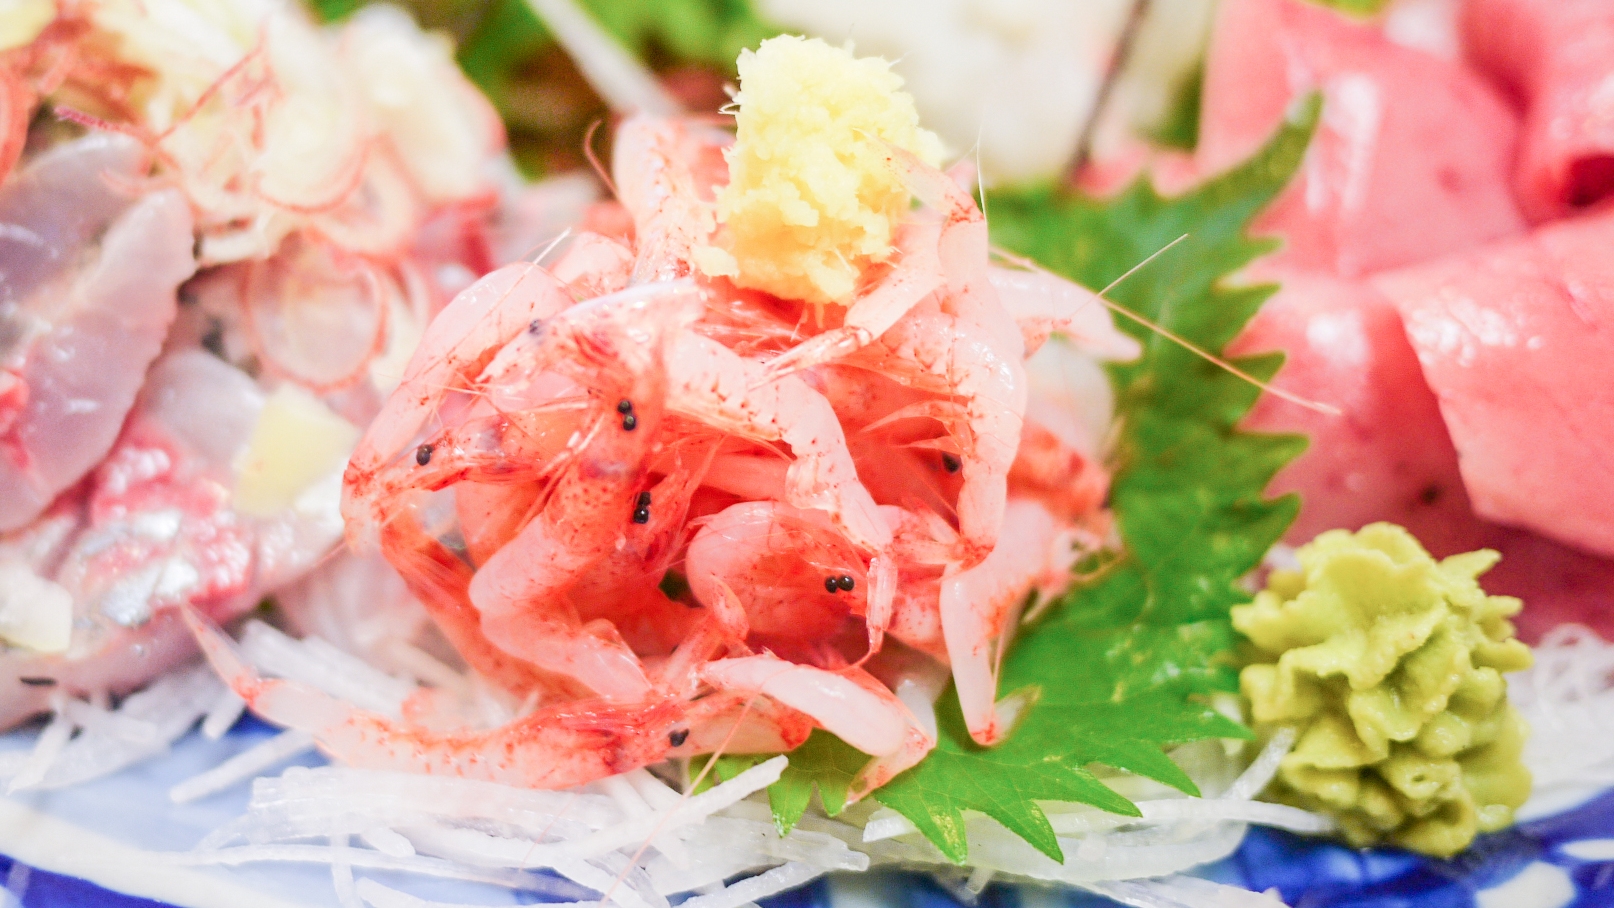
{"x": 917, "y": 274}
{"x": 979, "y": 604}
{"x": 849, "y": 704}
{"x": 712, "y": 384}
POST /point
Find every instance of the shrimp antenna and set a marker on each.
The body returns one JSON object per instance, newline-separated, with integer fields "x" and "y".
{"x": 537, "y": 254}
{"x": 594, "y": 159}
{"x": 1117, "y": 308}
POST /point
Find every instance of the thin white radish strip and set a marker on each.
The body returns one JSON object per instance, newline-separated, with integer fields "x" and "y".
{"x": 319, "y": 664}
{"x": 777, "y": 880}
{"x": 223, "y": 714}
{"x": 380, "y": 896}
{"x": 96, "y": 720}
{"x": 388, "y": 842}
{"x": 467, "y": 847}
{"x": 692, "y": 810}
{"x": 1179, "y": 810}
{"x": 242, "y": 766}
{"x": 321, "y": 854}
{"x": 1181, "y": 892}
{"x": 1265, "y": 766}
{"x": 46, "y": 749}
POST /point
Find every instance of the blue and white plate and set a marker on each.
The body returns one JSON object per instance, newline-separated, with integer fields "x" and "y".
{"x": 102, "y": 845}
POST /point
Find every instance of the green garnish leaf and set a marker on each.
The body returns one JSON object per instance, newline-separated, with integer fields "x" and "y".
{"x": 1117, "y": 669}
{"x": 1358, "y": 8}
{"x": 822, "y": 761}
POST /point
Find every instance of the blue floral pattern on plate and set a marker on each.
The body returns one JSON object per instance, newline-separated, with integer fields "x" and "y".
{"x": 1561, "y": 861}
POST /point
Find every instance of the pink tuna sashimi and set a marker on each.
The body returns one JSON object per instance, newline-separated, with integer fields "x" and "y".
{"x": 1386, "y": 456}
{"x": 1557, "y": 57}
{"x": 1410, "y": 160}
{"x": 1558, "y": 584}
{"x": 1517, "y": 342}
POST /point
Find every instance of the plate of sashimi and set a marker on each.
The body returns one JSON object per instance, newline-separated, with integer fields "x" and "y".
{"x": 733, "y": 452}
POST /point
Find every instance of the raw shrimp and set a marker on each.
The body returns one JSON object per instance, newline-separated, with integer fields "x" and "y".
{"x": 679, "y": 516}
{"x": 979, "y": 605}
{"x": 665, "y": 169}
{"x": 462, "y": 340}
{"x": 979, "y": 396}
{"x": 795, "y": 577}
{"x": 1045, "y": 304}
{"x": 849, "y": 703}
{"x": 553, "y": 747}
{"x": 712, "y": 384}
{"x": 87, "y": 292}
{"x": 618, "y": 343}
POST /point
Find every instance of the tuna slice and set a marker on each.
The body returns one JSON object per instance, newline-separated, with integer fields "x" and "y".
{"x": 1388, "y": 456}
{"x": 1557, "y": 57}
{"x": 1411, "y": 157}
{"x": 87, "y": 292}
{"x": 1517, "y": 342}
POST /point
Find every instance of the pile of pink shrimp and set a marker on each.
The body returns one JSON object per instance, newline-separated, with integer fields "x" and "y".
{"x": 201, "y": 205}
{"x": 670, "y": 517}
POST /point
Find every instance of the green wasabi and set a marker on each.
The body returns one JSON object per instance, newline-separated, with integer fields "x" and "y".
{"x": 1389, "y": 664}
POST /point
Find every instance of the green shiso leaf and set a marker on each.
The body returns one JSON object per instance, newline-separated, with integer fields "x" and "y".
{"x": 1117, "y": 669}
{"x": 706, "y": 32}
{"x": 823, "y": 761}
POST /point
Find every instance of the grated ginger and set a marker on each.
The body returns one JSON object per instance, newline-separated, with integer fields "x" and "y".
{"x": 813, "y": 198}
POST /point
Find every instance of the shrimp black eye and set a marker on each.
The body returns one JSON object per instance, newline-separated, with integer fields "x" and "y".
{"x": 630, "y": 422}
{"x": 678, "y": 737}
{"x": 845, "y": 582}
{"x": 951, "y": 463}
{"x": 641, "y": 516}
{"x": 423, "y": 454}
{"x": 624, "y": 406}
{"x": 832, "y": 584}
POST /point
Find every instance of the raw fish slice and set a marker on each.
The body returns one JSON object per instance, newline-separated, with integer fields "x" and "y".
{"x": 1410, "y": 159}
{"x": 152, "y": 528}
{"x": 1557, "y": 56}
{"x": 87, "y": 292}
{"x": 1558, "y": 584}
{"x": 1387, "y": 456}
{"x": 1517, "y": 342}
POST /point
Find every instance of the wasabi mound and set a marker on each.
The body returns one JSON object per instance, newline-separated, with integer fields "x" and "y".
{"x": 1389, "y": 663}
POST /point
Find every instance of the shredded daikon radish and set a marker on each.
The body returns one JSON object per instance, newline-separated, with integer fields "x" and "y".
{"x": 317, "y": 663}
{"x": 383, "y": 897}
{"x": 1569, "y": 690}
{"x": 243, "y": 766}
{"x": 144, "y": 724}
{"x": 223, "y": 714}
{"x": 46, "y": 748}
{"x": 1182, "y": 892}
{"x": 636, "y": 842}
{"x": 772, "y": 882}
